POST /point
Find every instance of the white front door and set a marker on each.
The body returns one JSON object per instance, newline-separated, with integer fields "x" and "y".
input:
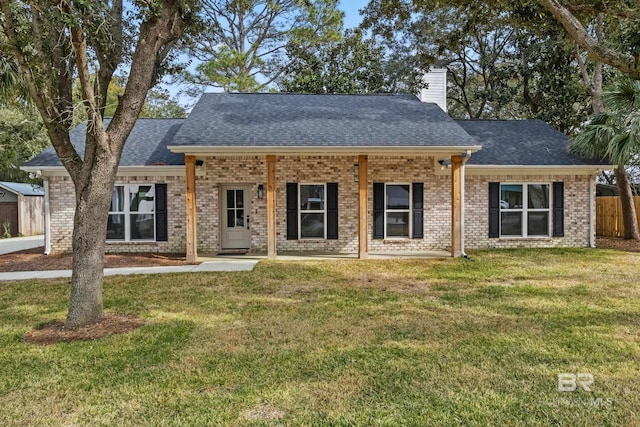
{"x": 235, "y": 222}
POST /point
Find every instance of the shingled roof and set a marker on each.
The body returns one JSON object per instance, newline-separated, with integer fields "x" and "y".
{"x": 291, "y": 120}
{"x": 297, "y": 120}
{"x": 146, "y": 145}
{"x": 521, "y": 142}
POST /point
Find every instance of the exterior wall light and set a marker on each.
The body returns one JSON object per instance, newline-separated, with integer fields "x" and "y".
{"x": 260, "y": 191}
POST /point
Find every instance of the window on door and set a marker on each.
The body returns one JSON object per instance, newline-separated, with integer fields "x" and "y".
{"x": 235, "y": 209}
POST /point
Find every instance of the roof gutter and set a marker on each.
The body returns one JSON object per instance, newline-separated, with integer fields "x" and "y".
{"x": 321, "y": 150}
{"x": 534, "y": 169}
{"x": 150, "y": 170}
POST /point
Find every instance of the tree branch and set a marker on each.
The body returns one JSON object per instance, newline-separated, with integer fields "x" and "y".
{"x": 44, "y": 100}
{"x": 598, "y": 51}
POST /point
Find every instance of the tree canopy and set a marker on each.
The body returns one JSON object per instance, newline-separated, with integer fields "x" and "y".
{"x": 242, "y": 44}
{"x": 497, "y": 68}
{"x": 352, "y": 65}
{"x": 57, "y": 44}
{"x": 158, "y": 103}
{"x": 22, "y": 136}
{"x": 615, "y": 133}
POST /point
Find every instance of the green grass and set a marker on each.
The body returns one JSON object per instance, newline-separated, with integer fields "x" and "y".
{"x": 415, "y": 342}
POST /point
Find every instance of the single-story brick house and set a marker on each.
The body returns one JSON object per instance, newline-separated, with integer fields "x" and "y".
{"x": 274, "y": 173}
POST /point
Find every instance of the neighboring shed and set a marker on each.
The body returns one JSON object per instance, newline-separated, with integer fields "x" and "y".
{"x": 607, "y": 190}
{"x": 21, "y": 209}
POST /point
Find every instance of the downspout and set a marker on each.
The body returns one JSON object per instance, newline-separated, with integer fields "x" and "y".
{"x": 592, "y": 212}
{"x": 463, "y": 178}
{"x": 47, "y": 218}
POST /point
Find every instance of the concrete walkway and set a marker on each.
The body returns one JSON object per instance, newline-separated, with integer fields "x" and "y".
{"x": 219, "y": 263}
{"x": 207, "y": 266}
{"x": 16, "y": 244}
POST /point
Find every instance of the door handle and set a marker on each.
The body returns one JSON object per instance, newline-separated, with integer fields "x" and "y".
{"x": 248, "y": 227}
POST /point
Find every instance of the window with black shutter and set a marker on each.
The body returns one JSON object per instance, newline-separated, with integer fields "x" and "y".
{"x": 526, "y": 209}
{"x": 312, "y": 211}
{"x": 398, "y": 210}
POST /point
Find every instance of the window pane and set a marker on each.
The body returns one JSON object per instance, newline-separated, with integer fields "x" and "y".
{"x": 115, "y": 227}
{"x": 141, "y": 198}
{"x": 312, "y": 225}
{"x": 231, "y": 218}
{"x": 142, "y": 227}
{"x": 510, "y": 197}
{"x": 397, "y": 224}
{"x": 312, "y": 197}
{"x": 240, "y": 198}
{"x": 538, "y": 195}
{"x": 240, "y": 218}
{"x": 231, "y": 199}
{"x": 397, "y": 197}
{"x": 511, "y": 224}
{"x": 117, "y": 199}
{"x": 538, "y": 223}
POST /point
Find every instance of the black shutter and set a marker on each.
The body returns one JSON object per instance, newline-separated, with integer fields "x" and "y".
{"x": 417, "y": 210}
{"x": 378, "y": 210}
{"x": 332, "y": 210}
{"x": 494, "y": 209}
{"x": 558, "y": 209}
{"x": 292, "y": 211}
{"x": 161, "y": 213}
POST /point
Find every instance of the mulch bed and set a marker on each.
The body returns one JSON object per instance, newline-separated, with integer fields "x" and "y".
{"x": 618, "y": 243}
{"x": 55, "y": 332}
{"x": 35, "y": 260}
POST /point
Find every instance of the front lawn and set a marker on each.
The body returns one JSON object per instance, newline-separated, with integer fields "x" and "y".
{"x": 415, "y": 342}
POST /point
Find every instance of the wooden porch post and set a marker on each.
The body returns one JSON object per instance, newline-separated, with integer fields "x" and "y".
{"x": 363, "y": 243}
{"x": 271, "y": 207}
{"x": 192, "y": 240}
{"x": 456, "y": 206}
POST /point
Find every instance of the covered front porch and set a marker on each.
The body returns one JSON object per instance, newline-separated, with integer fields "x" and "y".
{"x": 357, "y": 224}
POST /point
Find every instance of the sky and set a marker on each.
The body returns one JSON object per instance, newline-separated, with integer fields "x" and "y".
{"x": 350, "y": 9}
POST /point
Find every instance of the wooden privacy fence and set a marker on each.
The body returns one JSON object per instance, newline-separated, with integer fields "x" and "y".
{"x": 609, "y": 216}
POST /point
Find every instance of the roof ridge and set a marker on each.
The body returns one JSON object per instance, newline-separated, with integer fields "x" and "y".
{"x": 498, "y": 120}
{"x": 308, "y": 94}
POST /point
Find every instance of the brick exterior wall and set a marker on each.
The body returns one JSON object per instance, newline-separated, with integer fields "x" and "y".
{"x": 62, "y": 201}
{"x": 437, "y": 202}
{"x": 576, "y": 212}
{"x": 251, "y": 171}
{"x": 62, "y": 209}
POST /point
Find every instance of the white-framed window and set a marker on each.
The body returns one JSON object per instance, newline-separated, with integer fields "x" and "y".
{"x": 312, "y": 221}
{"x": 525, "y": 210}
{"x": 132, "y": 213}
{"x": 397, "y": 211}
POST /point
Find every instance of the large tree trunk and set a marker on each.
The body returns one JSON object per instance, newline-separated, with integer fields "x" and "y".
{"x": 629, "y": 217}
{"x": 89, "y": 244}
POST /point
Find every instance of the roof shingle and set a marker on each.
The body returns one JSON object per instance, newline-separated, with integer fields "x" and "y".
{"x": 294, "y": 120}
{"x": 146, "y": 145}
{"x": 521, "y": 142}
